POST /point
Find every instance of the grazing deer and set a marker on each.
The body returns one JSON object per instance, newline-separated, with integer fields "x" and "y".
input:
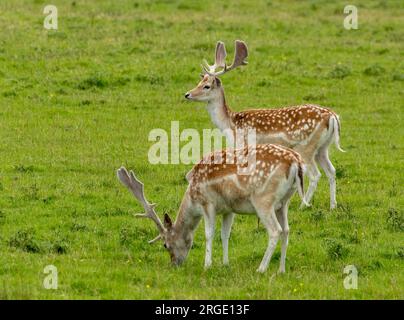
{"x": 215, "y": 187}
{"x": 308, "y": 129}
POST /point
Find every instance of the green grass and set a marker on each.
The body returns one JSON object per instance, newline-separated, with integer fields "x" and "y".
{"x": 79, "y": 102}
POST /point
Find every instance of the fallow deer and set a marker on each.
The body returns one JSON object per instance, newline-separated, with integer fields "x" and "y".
{"x": 216, "y": 187}
{"x": 308, "y": 129}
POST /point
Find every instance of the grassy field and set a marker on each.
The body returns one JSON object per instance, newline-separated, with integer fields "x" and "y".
{"x": 78, "y": 102}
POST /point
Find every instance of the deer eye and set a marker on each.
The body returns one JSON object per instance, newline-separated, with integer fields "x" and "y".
{"x": 165, "y": 246}
{"x": 206, "y": 87}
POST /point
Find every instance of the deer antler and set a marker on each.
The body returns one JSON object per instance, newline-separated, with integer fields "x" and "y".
{"x": 137, "y": 189}
{"x": 241, "y": 53}
{"x": 220, "y": 58}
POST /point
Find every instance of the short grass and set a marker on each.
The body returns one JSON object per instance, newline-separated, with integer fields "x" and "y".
{"x": 79, "y": 102}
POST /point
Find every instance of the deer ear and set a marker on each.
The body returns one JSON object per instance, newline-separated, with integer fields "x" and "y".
{"x": 218, "y": 82}
{"x": 167, "y": 221}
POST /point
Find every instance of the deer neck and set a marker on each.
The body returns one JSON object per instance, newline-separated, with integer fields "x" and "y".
{"x": 220, "y": 113}
{"x": 187, "y": 221}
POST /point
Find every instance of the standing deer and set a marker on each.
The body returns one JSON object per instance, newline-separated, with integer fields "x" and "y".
{"x": 308, "y": 129}
{"x": 217, "y": 188}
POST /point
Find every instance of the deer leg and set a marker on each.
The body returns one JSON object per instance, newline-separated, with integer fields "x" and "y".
{"x": 314, "y": 175}
{"x": 325, "y": 163}
{"x": 282, "y": 215}
{"x": 268, "y": 219}
{"x": 226, "y": 229}
{"x": 209, "y": 234}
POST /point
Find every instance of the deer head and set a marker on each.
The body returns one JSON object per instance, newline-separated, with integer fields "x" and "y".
{"x": 209, "y": 87}
{"x": 175, "y": 245}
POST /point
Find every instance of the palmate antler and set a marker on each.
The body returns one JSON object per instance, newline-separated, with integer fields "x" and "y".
{"x": 241, "y": 53}
{"x": 137, "y": 189}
